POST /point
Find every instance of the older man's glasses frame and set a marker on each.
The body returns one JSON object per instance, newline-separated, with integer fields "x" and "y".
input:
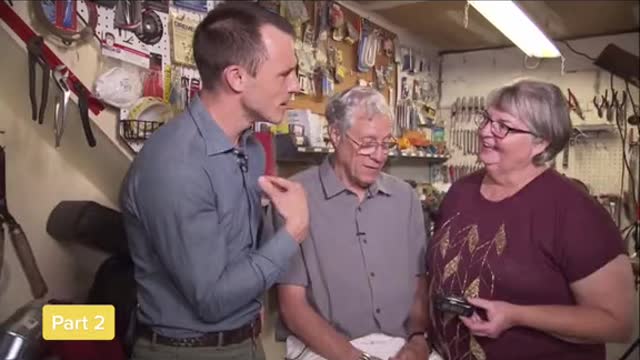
{"x": 370, "y": 147}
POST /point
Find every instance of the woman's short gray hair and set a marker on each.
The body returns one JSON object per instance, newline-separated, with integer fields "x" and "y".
{"x": 542, "y": 107}
{"x": 341, "y": 107}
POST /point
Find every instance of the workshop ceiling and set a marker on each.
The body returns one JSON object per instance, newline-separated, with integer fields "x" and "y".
{"x": 442, "y": 22}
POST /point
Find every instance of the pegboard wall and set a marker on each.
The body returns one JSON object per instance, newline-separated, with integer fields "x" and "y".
{"x": 596, "y": 161}
{"x": 596, "y": 157}
{"x": 125, "y": 46}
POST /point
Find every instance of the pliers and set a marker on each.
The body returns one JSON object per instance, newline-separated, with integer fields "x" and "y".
{"x": 34, "y": 47}
{"x": 83, "y": 106}
{"x": 604, "y": 103}
{"x": 60, "y": 76}
{"x": 574, "y": 105}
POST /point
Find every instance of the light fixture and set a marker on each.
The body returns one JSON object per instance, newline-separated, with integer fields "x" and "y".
{"x": 507, "y": 17}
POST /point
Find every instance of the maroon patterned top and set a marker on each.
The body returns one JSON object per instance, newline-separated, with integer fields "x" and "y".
{"x": 525, "y": 249}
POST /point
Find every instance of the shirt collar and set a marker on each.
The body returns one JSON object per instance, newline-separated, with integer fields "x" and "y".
{"x": 216, "y": 141}
{"x": 332, "y": 186}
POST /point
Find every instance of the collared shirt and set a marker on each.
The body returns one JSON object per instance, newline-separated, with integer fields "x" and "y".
{"x": 192, "y": 216}
{"x": 361, "y": 259}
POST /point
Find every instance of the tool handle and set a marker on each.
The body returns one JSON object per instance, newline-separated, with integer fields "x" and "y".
{"x": 32, "y": 87}
{"x": 27, "y": 261}
{"x": 1, "y": 247}
{"x": 83, "y": 105}
{"x": 46, "y": 74}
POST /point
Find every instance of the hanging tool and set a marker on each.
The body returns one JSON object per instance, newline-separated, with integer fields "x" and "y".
{"x": 128, "y": 15}
{"x": 452, "y": 119}
{"x": 34, "y": 48}
{"x": 613, "y": 106}
{"x": 599, "y": 106}
{"x": 18, "y": 238}
{"x": 621, "y": 109}
{"x": 606, "y": 106}
{"x": 461, "y": 119}
{"x": 59, "y": 18}
{"x": 83, "y": 106}
{"x": 574, "y": 105}
{"x": 60, "y": 76}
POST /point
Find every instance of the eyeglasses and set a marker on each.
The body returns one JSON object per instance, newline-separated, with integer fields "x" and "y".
{"x": 369, "y": 147}
{"x": 498, "y": 128}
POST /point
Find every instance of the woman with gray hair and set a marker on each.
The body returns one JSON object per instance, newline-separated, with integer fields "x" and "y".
{"x": 539, "y": 265}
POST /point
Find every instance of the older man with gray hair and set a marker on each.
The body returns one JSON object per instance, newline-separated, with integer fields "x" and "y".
{"x": 356, "y": 289}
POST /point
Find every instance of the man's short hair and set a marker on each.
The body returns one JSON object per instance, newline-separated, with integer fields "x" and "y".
{"x": 230, "y": 35}
{"x": 341, "y": 108}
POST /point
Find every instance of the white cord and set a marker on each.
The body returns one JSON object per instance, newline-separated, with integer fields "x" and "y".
{"x": 562, "y": 72}
{"x": 466, "y": 15}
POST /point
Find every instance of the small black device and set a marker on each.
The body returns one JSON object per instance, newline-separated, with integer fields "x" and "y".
{"x": 456, "y": 305}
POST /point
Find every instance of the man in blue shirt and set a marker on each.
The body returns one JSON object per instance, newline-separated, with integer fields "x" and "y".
{"x": 191, "y": 199}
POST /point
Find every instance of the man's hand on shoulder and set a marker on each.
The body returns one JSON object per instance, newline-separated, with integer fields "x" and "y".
{"x": 290, "y": 200}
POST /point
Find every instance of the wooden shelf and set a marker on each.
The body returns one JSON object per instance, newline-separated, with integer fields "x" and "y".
{"x": 287, "y": 151}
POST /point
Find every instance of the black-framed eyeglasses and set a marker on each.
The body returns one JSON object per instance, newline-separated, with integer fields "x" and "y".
{"x": 498, "y": 128}
{"x": 369, "y": 147}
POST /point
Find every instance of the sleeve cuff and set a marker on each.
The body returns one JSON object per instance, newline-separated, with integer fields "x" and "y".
{"x": 279, "y": 248}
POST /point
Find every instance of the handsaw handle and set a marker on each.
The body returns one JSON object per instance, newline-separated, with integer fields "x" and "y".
{"x": 27, "y": 261}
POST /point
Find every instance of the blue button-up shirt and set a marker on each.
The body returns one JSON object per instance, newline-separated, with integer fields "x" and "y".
{"x": 192, "y": 217}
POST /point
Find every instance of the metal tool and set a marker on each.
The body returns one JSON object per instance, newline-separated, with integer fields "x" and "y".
{"x": 452, "y": 119}
{"x": 462, "y": 116}
{"x": 19, "y": 239}
{"x": 34, "y": 48}
{"x": 67, "y": 28}
{"x": 60, "y": 76}
{"x": 83, "y": 106}
{"x": 621, "y": 109}
{"x": 599, "y": 105}
{"x": 574, "y": 105}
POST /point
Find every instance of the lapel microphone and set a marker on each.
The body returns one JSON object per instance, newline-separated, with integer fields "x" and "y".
{"x": 243, "y": 160}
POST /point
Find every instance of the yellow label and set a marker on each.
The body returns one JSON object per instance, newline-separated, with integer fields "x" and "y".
{"x": 78, "y": 322}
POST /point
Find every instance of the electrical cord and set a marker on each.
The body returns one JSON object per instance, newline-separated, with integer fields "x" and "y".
{"x": 635, "y": 227}
{"x": 566, "y": 43}
{"x": 622, "y": 130}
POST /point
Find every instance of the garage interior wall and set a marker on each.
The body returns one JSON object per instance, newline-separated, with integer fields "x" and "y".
{"x": 39, "y": 175}
{"x": 598, "y": 160}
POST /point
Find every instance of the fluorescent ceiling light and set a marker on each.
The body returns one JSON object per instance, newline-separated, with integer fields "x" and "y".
{"x": 507, "y": 17}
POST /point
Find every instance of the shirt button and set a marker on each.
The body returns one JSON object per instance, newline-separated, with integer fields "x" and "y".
{"x": 378, "y": 311}
{"x": 372, "y": 274}
{"x": 364, "y": 241}
{"x": 359, "y": 208}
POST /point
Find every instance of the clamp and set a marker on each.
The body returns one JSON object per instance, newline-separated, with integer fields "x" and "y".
{"x": 621, "y": 111}
{"x": 34, "y": 48}
{"x": 60, "y": 76}
{"x": 574, "y": 105}
{"x": 613, "y": 106}
{"x": 599, "y": 106}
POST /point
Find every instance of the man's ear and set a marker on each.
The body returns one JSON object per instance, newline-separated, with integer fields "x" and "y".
{"x": 334, "y": 135}
{"x": 236, "y": 77}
